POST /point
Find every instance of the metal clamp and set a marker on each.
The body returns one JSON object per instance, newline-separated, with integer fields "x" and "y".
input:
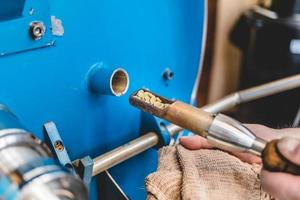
{"x": 84, "y": 168}
{"x": 56, "y": 144}
{"x": 81, "y": 167}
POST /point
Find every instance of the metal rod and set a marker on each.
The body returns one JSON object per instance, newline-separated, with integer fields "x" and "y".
{"x": 254, "y": 93}
{"x": 223, "y": 104}
{"x": 247, "y": 95}
{"x": 271, "y": 88}
{"x": 122, "y": 153}
{"x": 297, "y": 119}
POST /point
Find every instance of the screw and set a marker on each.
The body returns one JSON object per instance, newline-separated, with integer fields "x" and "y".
{"x": 59, "y": 146}
{"x": 168, "y": 74}
{"x": 37, "y": 30}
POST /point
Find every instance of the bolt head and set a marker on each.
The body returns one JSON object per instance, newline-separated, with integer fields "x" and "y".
{"x": 37, "y": 30}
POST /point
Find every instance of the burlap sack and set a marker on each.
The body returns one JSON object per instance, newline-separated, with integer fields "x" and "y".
{"x": 203, "y": 174}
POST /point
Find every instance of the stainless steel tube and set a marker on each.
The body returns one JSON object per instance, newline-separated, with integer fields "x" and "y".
{"x": 173, "y": 129}
{"x": 253, "y": 93}
{"x": 122, "y": 153}
{"x": 297, "y": 119}
{"x": 247, "y": 95}
{"x": 271, "y": 88}
{"x": 225, "y": 103}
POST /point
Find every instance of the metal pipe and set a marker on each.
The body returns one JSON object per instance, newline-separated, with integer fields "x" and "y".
{"x": 105, "y": 80}
{"x": 225, "y": 103}
{"x": 247, "y": 95}
{"x": 254, "y": 93}
{"x": 124, "y": 152}
{"x": 297, "y": 119}
{"x": 173, "y": 129}
{"x": 271, "y": 88}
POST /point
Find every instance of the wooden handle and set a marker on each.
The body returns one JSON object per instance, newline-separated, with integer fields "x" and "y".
{"x": 274, "y": 161}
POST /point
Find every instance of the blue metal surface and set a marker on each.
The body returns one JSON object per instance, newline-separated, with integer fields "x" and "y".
{"x": 8, "y": 119}
{"x": 15, "y": 19}
{"x": 143, "y": 37}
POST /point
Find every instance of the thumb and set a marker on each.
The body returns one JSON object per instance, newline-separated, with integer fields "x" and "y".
{"x": 290, "y": 149}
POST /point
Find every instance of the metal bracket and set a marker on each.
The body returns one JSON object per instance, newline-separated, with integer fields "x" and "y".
{"x": 84, "y": 168}
{"x": 81, "y": 167}
{"x": 57, "y": 146}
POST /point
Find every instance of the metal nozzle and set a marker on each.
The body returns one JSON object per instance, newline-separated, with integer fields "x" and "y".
{"x": 230, "y": 135}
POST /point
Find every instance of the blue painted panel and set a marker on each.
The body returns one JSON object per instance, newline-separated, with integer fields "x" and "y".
{"x": 143, "y": 37}
{"x": 16, "y": 17}
{"x": 11, "y": 9}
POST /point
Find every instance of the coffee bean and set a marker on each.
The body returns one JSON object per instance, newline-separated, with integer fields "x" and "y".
{"x": 151, "y": 99}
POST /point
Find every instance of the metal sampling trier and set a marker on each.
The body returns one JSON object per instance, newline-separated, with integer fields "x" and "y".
{"x": 220, "y": 130}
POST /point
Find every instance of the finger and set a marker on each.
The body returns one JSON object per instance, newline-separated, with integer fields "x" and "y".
{"x": 281, "y": 185}
{"x": 288, "y": 132}
{"x": 269, "y": 134}
{"x": 263, "y": 132}
{"x": 290, "y": 149}
{"x": 195, "y": 142}
{"x": 247, "y": 157}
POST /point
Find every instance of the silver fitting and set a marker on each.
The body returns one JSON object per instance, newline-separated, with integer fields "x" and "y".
{"x": 28, "y": 172}
{"x": 228, "y": 134}
{"x": 37, "y": 30}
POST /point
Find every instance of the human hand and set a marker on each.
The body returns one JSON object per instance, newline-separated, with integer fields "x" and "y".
{"x": 266, "y": 133}
{"x": 282, "y": 185}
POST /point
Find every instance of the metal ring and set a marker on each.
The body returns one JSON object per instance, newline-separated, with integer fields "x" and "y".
{"x": 19, "y": 137}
